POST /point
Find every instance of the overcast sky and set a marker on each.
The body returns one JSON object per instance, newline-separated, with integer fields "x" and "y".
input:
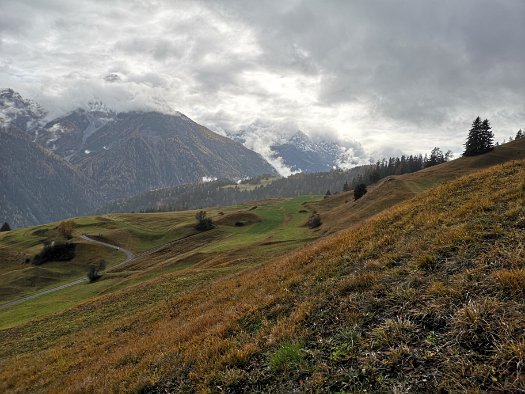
{"x": 387, "y": 74}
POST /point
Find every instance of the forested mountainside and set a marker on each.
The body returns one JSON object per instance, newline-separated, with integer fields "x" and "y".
{"x": 225, "y": 192}
{"x": 38, "y": 186}
{"x": 139, "y": 151}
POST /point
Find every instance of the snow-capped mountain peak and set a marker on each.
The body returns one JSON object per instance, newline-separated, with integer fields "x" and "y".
{"x": 67, "y": 134}
{"x": 25, "y": 114}
{"x": 98, "y": 106}
{"x": 289, "y": 151}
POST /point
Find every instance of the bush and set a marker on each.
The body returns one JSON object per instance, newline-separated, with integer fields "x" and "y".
{"x": 314, "y": 220}
{"x": 66, "y": 228}
{"x": 55, "y": 252}
{"x": 94, "y": 271}
{"x": 359, "y": 191}
{"x": 93, "y": 274}
{"x": 203, "y": 223}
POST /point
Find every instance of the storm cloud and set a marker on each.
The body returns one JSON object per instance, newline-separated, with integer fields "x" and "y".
{"x": 393, "y": 75}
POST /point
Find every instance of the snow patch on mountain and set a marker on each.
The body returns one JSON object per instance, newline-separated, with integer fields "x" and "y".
{"x": 25, "y": 114}
{"x": 69, "y": 133}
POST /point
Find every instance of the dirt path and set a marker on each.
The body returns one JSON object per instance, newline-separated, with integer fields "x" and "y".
{"x": 130, "y": 256}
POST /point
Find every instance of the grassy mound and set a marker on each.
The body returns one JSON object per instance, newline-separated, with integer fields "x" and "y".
{"x": 238, "y": 219}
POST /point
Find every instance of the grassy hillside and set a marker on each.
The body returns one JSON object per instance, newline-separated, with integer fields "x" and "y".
{"x": 166, "y": 242}
{"x": 341, "y": 211}
{"x": 428, "y": 295}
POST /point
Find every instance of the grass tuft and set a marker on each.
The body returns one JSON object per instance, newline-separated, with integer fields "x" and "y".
{"x": 511, "y": 280}
{"x": 288, "y": 356}
{"x": 393, "y": 332}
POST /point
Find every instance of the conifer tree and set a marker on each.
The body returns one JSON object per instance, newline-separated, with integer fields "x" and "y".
{"x": 5, "y": 227}
{"x": 519, "y": 135}
{"x": 359, "y": 191}
{"x": 473, "y": 144}
{"x": 487, "y": 137}
{"x": 346, "y": 187}
{"x": 436, "y": 157}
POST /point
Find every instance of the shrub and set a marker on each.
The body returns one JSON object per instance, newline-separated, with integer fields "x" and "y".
{"x": 359, "y": 191}
{"x": 314, "y": 220}
{"x": 102, "y": 265}
{"x": 55, "y": 252}
{"x": 93, "y": 274}
{"x": 66, "y": 228}
{"x": 94, "y": 271}
{"x": 203, "y": 223}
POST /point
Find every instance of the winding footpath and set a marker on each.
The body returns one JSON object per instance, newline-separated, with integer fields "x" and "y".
{"x": 130, "y": 256}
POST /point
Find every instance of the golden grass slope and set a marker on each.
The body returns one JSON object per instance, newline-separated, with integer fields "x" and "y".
{"x": 341, "y": 211}
{"x": 428, "y": 295}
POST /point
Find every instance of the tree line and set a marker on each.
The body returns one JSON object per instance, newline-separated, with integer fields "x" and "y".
{"x": 224, "y": 192}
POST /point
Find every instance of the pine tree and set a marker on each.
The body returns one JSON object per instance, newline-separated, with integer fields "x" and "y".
{"x": 5, "y": 227}
{"x": 436, "y": 157}
{"x": 346, "y": 187}
{"x": 204, "y": 223}
{"x": 487, "y": 137}
{"x": 473, "y": 144}
{"x": 359, "y": 191}
{"x": 519, "y": 135}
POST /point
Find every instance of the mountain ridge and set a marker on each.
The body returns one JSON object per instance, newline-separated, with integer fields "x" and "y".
{"x": 118, "y": 154}
{"x": 37, "y": 185}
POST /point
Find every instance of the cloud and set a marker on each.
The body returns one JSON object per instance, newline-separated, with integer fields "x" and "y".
{"x": 262, "y": 134}
{"x": 401, "y": 74}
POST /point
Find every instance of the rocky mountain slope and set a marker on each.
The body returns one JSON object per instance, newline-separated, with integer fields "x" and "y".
{"x": 38, "y": 186}
{"x": 67, "y": 134}
{"x": 140, "y": 151}
{"x": 291, "y": 152}
{"x": 17, "y": 111}
{"x": 301, "y": 154}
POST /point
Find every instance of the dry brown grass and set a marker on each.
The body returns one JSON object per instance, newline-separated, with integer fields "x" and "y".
{"x": 413, "y": 327}
{"x": 511, "y": 280}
